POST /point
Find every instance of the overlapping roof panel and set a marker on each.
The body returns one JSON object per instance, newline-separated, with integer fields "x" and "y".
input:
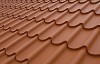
{"x": 72, "y": 7}
{"x": 49, "y": 31}
{"x": 23, "y": 48}
{"x": 45, "y": 1}
{"x": 63, "y": 33}
{"x": 73, "y": 13}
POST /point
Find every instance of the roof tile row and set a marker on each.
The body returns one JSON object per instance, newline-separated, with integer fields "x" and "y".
{"x": 6, "y": 59}
{"x": 33, "y": 50}
{"x": 49, "y": 32}
{"x": 66, "y": 33}
{"x": 60, "y": 7}
{"x": 73, "y": 19}
{"x": 45, "y": 1}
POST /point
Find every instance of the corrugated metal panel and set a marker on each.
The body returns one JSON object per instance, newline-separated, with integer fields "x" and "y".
{"x": 49, "y": 32}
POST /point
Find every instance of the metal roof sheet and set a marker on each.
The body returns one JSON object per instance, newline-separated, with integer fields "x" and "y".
{"x": 49, "y": 32}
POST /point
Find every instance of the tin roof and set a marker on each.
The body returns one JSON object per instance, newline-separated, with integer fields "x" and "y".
{"x": 49, "y": 32}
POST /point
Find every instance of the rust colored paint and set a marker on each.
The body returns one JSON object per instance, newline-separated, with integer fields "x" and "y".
{"x": 49, "y": 32}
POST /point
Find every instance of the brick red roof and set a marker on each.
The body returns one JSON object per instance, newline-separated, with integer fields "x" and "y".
{"x": 49, "y": 32}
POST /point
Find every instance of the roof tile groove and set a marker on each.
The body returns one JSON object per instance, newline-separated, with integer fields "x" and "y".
{"x": 30, "y": 48}
{"x": 66, "y": 33}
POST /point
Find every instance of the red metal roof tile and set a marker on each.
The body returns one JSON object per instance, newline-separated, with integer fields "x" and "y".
{"x": 66, "y": 33}
{"x": 49, "y": 32}
{"x": 53, "y": 1}
{"x": 72, "y": 7}
{"x": 6, "y": 59}
{"x": 89, "y": 20}
{"x": 33, "y": 50}
{"x": 86, "y": 15}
